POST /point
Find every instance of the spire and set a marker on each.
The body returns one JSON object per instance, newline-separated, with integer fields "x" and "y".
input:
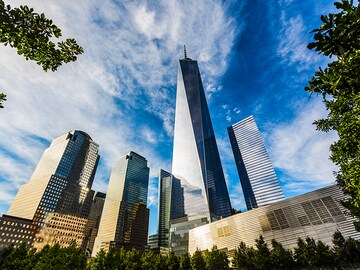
{"x": 185, "y": 55}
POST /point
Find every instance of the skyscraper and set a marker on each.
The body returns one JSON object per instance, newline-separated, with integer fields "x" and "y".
{"x": 93, "y": 221}
{"x": 171, "y": 205}
{"x": 196, "y": 160}
{"x": 257, "y": 176}
{"x": 124, "y": 220}
{"x": 62, "y": 180}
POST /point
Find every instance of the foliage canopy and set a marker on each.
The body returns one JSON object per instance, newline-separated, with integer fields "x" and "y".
{"x": 339, "y": 86}
{"x": 32, "y": 35}
{"x": 308, "y": 254}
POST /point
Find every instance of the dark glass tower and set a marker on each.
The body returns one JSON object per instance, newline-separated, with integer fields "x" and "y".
{"x": 125, "y": 217}
{"x": 196, "y": 160}
{"x": 93, "y": 222}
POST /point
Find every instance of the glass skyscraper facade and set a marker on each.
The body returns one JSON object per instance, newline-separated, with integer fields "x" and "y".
{"x": 93, "y": 221}
{"x": 196, "y": 160}
{"x": 125, "y": 217}
{"x": 171, "y": 205}
{"x": 164, "y": 205}
{"x": 62, "y": 180}
{"x": 257, "y": 176}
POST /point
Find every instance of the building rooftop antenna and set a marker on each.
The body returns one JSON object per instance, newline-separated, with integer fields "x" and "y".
{"x": 185, "y": 51}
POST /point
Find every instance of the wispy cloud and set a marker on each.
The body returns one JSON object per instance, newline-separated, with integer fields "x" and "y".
{"x": 301, "y": 152}
{"x": 236, "y": 110}
{"x": 153, "y": 192}
{"x": 229, "y": 112}
{"x": 211, "y": 89}
{"x": 149, "y": 135}
{"x": 297, "y": 20}
{"x": 293, "y": 39}
{"x": 121, "y": 90}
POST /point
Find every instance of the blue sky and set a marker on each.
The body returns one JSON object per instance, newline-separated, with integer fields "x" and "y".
{"x": 253, "y": 61}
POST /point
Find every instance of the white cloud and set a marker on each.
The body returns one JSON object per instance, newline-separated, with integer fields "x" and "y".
{"x": 153, "y": 192}
{"x": 285, "y": 2}
{"x": 15, "y": 176}
{"x": 228, "y": 117}
{"x": 229, "y": 112}
{"x": 211, "y": 89}
{"x": 129, "y": 66}
{"x": 293, "y": 39}
{"x": 149, "y": 135}
{"x": 301, "y": 152}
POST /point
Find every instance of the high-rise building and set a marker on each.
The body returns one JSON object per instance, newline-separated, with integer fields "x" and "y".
{"x": 93, "y": 221}
{"x": 196, "y": 161}
{"x": 257, "y": 176}
{"x": 124, "y": 220}
{"x": 171, "y": 205}
{"x": 61, "y": 182}
{"x": 164, "y": 207}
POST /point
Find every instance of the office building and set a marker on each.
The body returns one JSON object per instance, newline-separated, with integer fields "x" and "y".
{"x": 153, "y": 242}
{"x": 164, "y": 206}
{"x": 170, "y": 206}
{"x": 257, "y": 176}
{"x": 317, "y": 214}
{"x": 153, "y": 245}
{"x": 93, "y": 221}
{"x": 196, "y": 161}
{"x": 62, "y": 229}
{"x": 14, "y": 231}
{"x": 60, "y": 187}
{"x": 61, "y": 181}
{"x": 125, "y": 218}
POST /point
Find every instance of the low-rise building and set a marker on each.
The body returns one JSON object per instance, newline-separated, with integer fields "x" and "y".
{"x": 317, "y": 214}
{"x": 14, "y": 231}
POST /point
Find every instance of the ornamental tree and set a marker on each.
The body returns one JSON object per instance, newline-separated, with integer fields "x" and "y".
{"x": 339, "y": 85}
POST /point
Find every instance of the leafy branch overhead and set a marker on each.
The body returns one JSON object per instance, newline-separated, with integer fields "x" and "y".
{"x": 2, "y": 98}
{"x": 339, "y": 85}
{"x": 32, "y": 34}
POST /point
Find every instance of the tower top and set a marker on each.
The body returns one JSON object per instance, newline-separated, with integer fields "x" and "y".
{"x": 185, "y": 55}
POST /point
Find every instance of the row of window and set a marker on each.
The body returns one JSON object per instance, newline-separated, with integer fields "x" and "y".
{"x": 12, "y": 236}
{"x": 15, "y": 224}
{"x": 15, "y": 230}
